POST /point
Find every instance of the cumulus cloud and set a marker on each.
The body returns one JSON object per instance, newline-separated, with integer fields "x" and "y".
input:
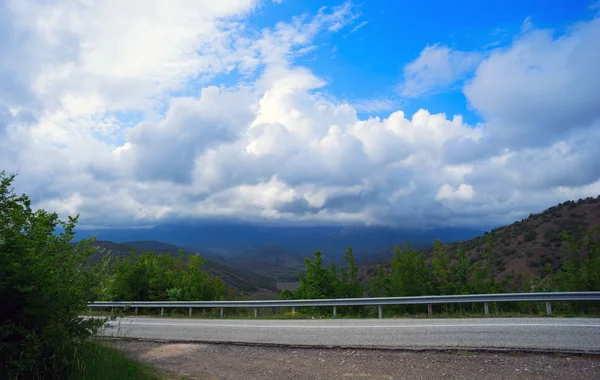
{"x": 437, "y": 68}
{"x": 97, "y": 125}
{"x": 540, "y": 87}
{"x": 462, "y": 193}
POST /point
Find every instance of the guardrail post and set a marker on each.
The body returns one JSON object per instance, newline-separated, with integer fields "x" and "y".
{"x": 430, "y": 309}
{"x": 136, "y": 310}
{"x": 293, "y": 310}
{"x": 221, "y": 312}
{"x": 190, "y": 312}
{"x": 380, "y": 307}
{"x": 162, "y": 311}
{"x": 255, "y": 312}
{"x": 112, "y": 310}
{"x": 90, "y": 310}
{"x": 334, "y": 311}
{"x": 548, "y": 308}
{"x": 486, "y": 308}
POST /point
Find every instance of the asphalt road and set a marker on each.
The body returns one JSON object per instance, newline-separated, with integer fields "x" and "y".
{"x": 573, "y": 334}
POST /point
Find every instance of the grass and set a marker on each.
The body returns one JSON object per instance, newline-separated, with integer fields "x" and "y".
{"x": 103, "y": 361}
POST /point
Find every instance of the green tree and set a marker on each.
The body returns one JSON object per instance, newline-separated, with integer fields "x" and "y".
{"x": 442, "y": 269}
{"x": 409, "y": 273}
{"x": 317, "y": 282}
{"x": 462, "y": 271}
{"x": 350, "y": 286}
{"x": 44, "y": 285}
{"x": 152, "y": 277}
{"x": 379, "y": 284}
{"x": 581, "y": 269}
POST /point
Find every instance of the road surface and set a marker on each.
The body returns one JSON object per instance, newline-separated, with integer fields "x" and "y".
{"x": 569, "y": 335}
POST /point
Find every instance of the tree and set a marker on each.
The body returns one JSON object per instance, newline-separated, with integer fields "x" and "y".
{"x": 379, "y": 285}
{"x": 581, "y": 268}
{"x": 442, "y": 269}
{"x": 317, "y": 282}
{"x": 350, "y": 286}
{"x": 44, "y": 286}
{"x": 462, "y": 271}
{"x": 409, "y": 274}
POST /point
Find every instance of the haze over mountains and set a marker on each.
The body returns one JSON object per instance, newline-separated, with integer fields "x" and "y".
{"x": 226, "y": 240}
{"x": 260, "y": 260}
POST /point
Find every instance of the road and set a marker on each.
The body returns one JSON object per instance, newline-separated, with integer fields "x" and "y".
{"x": 573, "y": 334}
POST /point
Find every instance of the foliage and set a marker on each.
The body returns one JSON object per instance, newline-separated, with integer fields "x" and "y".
{"x": 379, "y": 284}
{"x": 409, "y": 273}
{"x": 317, "y": 282}
{"x": 442, "y": 269}
{"x": 149, "y": 277}
{"x": 100, "y": 361}
{"x": 44, "y": 286}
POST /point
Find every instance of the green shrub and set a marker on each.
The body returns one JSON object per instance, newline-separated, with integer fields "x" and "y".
{"x": 103, "y": 361}
{"x": 44, "y": 286}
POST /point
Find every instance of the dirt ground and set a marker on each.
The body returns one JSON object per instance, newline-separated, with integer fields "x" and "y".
{"x": 220, "y": 361}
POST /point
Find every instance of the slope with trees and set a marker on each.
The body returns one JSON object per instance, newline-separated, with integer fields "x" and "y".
{"x": 244, "y": 281}
{"x": 529, "y": 245}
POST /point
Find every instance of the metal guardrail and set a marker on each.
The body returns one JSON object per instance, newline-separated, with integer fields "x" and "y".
{"x": 548, "y": 297}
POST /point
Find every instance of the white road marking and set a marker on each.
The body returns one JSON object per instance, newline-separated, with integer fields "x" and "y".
{"x": 128, "y": 323}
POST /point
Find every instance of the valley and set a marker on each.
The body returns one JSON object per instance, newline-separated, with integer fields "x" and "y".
{"x": 524, "y": 247}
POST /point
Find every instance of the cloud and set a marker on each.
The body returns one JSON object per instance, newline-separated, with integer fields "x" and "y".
{"x": 133, "y": 131}
{"x": 375, "y": 105}
{"x": 358, "y": 26}
{"x": 540, "y": 87}
{"x": 437, "y": 68}
{"x": 462, "y": 193}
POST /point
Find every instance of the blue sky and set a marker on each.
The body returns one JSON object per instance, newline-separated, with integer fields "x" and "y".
{"x": 368, "y": 63}
{"x": 313, "y": 112}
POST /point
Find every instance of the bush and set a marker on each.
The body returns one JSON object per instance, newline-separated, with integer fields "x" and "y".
{"x": 44, "y": 286}
{"x": 530, "y": 235}
{"x": 99, "y": 360}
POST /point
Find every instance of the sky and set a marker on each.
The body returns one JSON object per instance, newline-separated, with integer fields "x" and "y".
{"x": 410, "y": 114}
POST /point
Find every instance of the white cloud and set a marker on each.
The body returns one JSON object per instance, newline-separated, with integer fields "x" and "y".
{"x": 277, "y": 145}
{"x": 540, "y": 87}
{"x": 375, "y": 105}
{"x": 437, "y": 68}
{"x": 358, "y": 26}
{"x": 464, "y": 192}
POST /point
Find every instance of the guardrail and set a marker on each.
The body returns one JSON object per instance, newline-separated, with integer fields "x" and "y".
{"x": 548, "y": 298}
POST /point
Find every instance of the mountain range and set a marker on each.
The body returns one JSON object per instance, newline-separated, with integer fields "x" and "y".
{"x": 260, "y": 260}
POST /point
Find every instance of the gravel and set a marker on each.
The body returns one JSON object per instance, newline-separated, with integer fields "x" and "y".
{"x": 223, "y": 361}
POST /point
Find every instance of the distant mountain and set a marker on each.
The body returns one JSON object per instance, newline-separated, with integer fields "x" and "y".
{"x": 227, "y": 240}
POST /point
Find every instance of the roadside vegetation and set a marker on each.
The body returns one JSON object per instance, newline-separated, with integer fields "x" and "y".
{"x": 45, "y": 284}
{"x": 409, "y": 273}
{"x": 148, "y": 277}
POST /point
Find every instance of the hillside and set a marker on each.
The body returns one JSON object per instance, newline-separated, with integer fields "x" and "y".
{"x": 248, "y": 282}
{"x": 272, "y": 261}
{"x": 529, "y": 244}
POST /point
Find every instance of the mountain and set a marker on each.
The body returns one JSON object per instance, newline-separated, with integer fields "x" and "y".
{"x": 529, "y": 244}
{"x": 247, "y": 263}
{"x": 246, "y": 281}
{"x": 228, "y": 240}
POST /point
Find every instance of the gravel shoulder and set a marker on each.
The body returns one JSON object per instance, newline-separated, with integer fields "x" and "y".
{"x": 223, "y": 361}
